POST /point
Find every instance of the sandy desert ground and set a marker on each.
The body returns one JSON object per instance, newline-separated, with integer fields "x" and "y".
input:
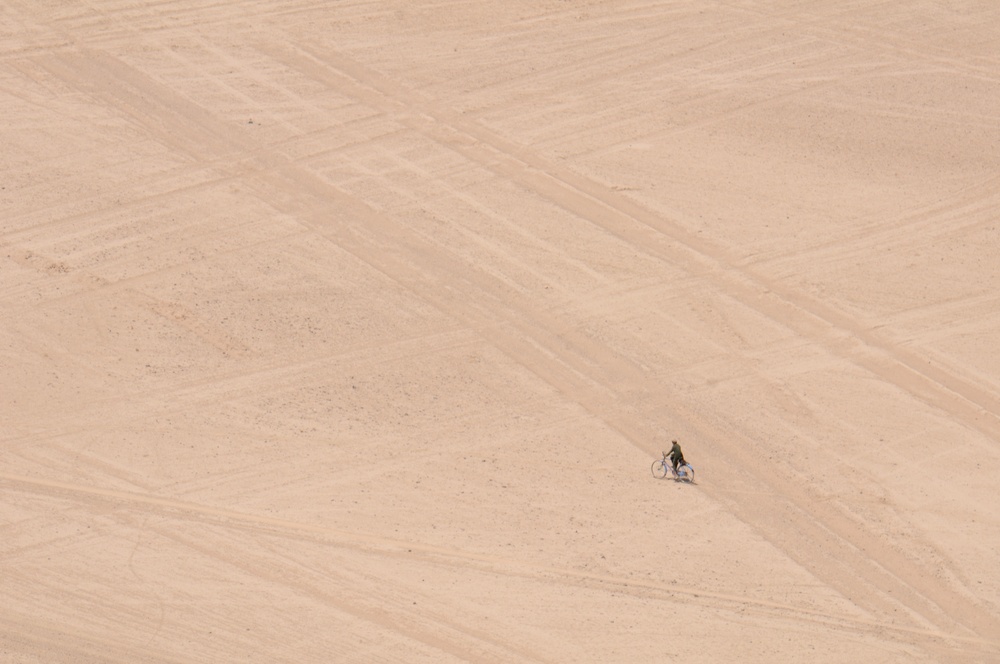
{"x": 348, "y": 331}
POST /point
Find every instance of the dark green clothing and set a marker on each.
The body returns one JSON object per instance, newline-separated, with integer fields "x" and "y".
{"x": 676, "y": 455}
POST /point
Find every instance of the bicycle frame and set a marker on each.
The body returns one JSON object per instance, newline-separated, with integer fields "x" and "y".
{"x": 685, "y": 472}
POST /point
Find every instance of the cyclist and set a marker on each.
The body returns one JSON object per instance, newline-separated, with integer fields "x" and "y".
{"x": 676, "y": 455}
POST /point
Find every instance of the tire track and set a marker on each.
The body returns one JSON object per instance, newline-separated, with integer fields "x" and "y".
{"x": 605, "y": 384}
{"x": 609, "y": 387}
{"x": 63, "y": 643}
{"x": 660, "y": 238}
{"x": 178, "y": 398}
{"x": 602, "y": 382}
{"x": 449, "y": 636}
{"x": 175, "y": 121}
{"x": 849, "y": 32}
{"x": 168, "y": 17}
{"x": 144, "y": 505}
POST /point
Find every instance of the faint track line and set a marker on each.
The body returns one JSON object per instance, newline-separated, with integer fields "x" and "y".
{"x": 663, "y": 239}
{"x": 597, "y": 377}
{"x": 568, "y": 359}
{"x": 363, "y": 542}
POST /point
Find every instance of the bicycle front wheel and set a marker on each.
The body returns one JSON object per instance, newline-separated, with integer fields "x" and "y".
{"x": 659, "y": 469}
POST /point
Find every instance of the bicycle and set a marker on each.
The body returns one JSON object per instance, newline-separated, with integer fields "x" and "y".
{"x": 663, "y": 467}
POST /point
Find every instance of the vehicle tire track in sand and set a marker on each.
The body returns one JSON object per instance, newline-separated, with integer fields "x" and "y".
{"x": 63, "y": 643}
{"x": 608, "y": 386}
{"x": 656, "y": 236}
{"x": 597, "y": 377}
{"x": 145, "y": 504}
{"x": 448, "y": 636}
{"x": 601, "y": 381}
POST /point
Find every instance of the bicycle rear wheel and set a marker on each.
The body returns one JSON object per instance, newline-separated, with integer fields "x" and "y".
{"x": 685, "y": 473}
{"x": 659, "y": 469}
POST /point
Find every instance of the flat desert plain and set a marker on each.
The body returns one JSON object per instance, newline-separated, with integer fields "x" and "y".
{"x": 348, "y": 331}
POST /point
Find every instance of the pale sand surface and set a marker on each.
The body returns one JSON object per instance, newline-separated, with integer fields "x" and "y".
{"x": 348, "y": 331}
